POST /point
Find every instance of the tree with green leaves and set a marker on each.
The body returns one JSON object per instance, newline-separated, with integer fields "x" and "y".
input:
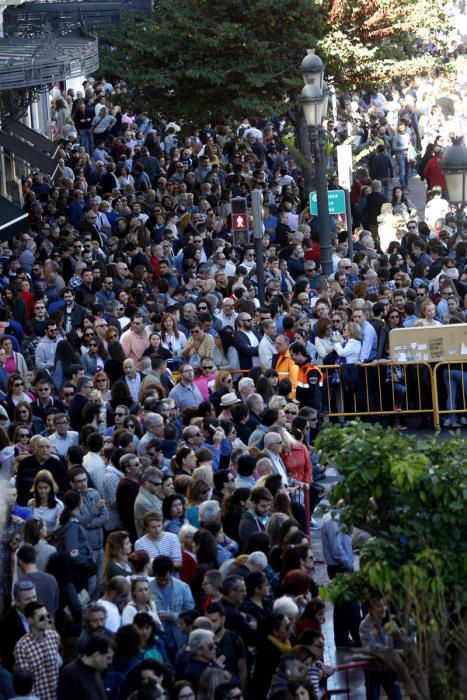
{"x": 378, "y": 41}
{"x": 195, "y": 60}
{"x": 410, "y": 498}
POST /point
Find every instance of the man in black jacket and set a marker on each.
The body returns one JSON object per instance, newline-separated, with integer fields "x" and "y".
{"x": 42, "y": 458}
{"x": 374, "y": 202}
{"x": 83, "y": 677}
{"x": 45, "y": 400}
{"x": 13, "y": 625}
{"x": 246, "y": 341}
{"x": 381, "y": 169}
{"x": 83, "y": 121}
{"x": 79, "y": 401}
{"x": 74, "y": 313}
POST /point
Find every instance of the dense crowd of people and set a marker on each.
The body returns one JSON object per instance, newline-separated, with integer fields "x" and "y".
{"x": 157, "y": 423}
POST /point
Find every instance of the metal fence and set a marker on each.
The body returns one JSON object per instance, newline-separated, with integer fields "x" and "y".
{"x": 390, "y": 389}
{"x": 450, "y": 391}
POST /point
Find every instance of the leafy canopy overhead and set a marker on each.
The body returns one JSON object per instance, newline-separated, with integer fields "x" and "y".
{"x": 375, "y": 43}
{"x": 226, "y": 57}
{"x": 195, "y": 59}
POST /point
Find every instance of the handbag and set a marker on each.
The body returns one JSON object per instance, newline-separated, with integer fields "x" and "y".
{"x": 334, "y": 377}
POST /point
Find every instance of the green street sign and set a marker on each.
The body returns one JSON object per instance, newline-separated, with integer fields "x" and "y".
{"x": 336, "y": 202}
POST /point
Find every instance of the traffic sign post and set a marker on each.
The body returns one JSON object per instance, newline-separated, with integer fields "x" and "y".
{"x": 344, "y": 171}
{"x": 258, "y": 233}
{"x": 240, "y": 230}
{"x": 336, "y": 202}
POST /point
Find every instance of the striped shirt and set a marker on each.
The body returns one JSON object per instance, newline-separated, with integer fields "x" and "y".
{"x": 168, "y": 546}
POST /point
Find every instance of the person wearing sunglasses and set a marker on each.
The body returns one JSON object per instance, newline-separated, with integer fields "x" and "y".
{"x": 246, "y": 341}
{"x": 203, "y": 655}
{"x": 47, "y": 347}
{"x": 199, "y": 345}
{"x": 39, "y": 651}
{"x": 121, "y": 412}
{"x": 207, "y": 377}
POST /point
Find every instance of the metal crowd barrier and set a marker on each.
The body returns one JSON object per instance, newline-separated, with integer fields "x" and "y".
{"x": 347, "y": 689}
{"x": 378, "y": 390}
{"x": 449, "y": 378}
{"x": 413, "y": 388}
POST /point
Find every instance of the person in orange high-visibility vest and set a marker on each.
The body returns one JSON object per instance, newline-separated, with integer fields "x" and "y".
{"x": 309, "y": 378}
{"x": 283, "y": 363}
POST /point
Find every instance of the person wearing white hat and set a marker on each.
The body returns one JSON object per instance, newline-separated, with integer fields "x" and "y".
{"x": 227, "y": 401}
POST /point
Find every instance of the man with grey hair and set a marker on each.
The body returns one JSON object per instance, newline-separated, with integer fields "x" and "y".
{"x": 94, "y": 619}
{"x": 246, "y": 387}
{"x": 188, "y": 317}
{"x": 154, "y": 427}
{"x": 209, "y": 511}
{"x": 286, "y": 606}
{"x": 344, "y": 266}
{"x": 147, "y": 499}
{"x": 127, "y": 491}
{"x": 203, "y": 655}
{"x": 257, "y": 561}
{"x": 255, "y": 405}
{"x": 272, "y": 449}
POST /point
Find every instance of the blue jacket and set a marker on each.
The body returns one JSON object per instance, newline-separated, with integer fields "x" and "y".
{"x": 180, "y": 599}
{"x": 337, "y": 544}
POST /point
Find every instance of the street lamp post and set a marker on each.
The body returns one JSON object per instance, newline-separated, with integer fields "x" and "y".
{"x": 314, "y": 101}
{"x": 454, "y": 167}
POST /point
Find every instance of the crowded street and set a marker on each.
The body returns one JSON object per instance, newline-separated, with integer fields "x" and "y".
{"x": 229, "y": 367}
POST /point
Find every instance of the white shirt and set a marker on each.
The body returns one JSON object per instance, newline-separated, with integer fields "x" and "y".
{"x": 130, "y": 610}
{"x": 266, "y": 350}
{"x": 133, "y": 385}
{"x": 351, "y": 350}
{"x": 226, "y": 320}
{"x": 254, "y": 342}
{"x": 60, "y": 445}
{"x": 278, "y": 466}
{"x": 95, "y": 466}
{"x": 114, "y": 619}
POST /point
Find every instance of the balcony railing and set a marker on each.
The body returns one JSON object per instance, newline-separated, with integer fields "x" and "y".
{"x": 27, "y": 20}
{"x": 46, "y": 59}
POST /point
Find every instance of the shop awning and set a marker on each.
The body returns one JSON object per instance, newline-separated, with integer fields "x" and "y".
{"x": 27, "y": 153}
{"x": 33, "y": 138}
{"x": 13, "y": 220}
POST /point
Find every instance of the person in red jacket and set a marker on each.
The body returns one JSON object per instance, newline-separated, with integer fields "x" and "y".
{"x": 433, "y": 173}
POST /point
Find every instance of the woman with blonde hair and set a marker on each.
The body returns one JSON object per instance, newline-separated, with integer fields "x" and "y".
{"x": 116, "y": 555}
{"x": 205, "y": 473}
{"x": 297, "y": 459}
{"x": 141, "y": 601}
{"x": 223, "y": 384}
{"x": 102, "y": 385}
{"x": 172, "y": 339}
{"x": 348, "y": 348}
{"x": 334, "y": 288}
{"x": 197, "y": 492}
